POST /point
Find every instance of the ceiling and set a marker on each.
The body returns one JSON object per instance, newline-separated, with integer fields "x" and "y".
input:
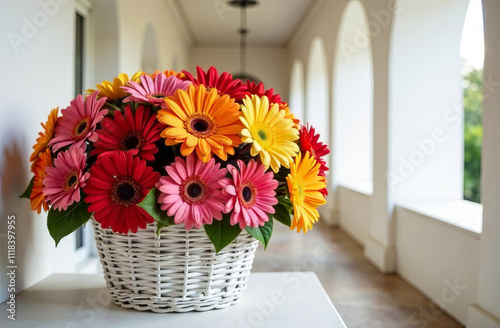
{"x": 214, "y": 22}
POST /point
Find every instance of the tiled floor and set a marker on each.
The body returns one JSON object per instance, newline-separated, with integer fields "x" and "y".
{"x": 362, "y": 295}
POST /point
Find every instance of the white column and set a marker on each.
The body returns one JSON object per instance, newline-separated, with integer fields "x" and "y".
{"x": 486, "y": 313}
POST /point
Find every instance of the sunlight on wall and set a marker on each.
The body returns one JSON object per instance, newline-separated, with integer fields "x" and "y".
{"x": 149, "y": 50}
{"x": 297, "y": 90}
{"x": 317, "y": 90}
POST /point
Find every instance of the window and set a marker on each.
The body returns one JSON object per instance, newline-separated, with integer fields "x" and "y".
{"x": 472, "y": 53}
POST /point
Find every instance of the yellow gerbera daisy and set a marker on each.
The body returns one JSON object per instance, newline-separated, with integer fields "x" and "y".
{"x": 270, "y": 133}
{"x": 113, "y": 90}
{"x": 304, "y": 184}
{"x": 203, "y": 121}
{"x": 44, "y": 137}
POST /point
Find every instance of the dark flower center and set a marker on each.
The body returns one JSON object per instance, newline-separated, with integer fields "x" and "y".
{"x": 194, "y": 190}
{"x": 246, "y": 193}
{"x": 158, "y": 96}
{"x": 132, "y": 140}
{"x": 125, "y": 192}
{"x": 71, "y": 180}
{"x": 81, "y": 127}
{"x": 200, "y": 125}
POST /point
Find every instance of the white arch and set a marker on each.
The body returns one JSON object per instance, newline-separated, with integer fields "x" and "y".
{"x": 317, "y": 89}
{"x": 297, "y": 90}
{"x": 353, "y": 101}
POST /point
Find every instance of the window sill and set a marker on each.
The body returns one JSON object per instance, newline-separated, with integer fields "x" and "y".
{"x": 362, "y": 187}
{"x": 460, "y": 214}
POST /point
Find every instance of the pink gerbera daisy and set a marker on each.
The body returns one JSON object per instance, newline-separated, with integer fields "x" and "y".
{"x": 224, "y": 84}
{"x": 154, "y": 90}
{"x": 136, "y": 132}
{"x": 78, "y": 122}
{"x": 252, "y": 194}
{"x": 64, "y": 180}
{"x": 191, "y": 191}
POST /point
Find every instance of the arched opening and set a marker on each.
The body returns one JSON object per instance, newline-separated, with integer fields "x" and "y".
{"x": 317, "y": 90}
{"x": 353, "y": 101}
{"x": 472, "y": 53}
{"x": 426, "y": 102}
{"x": 297, "y": 90}
{"x": 149, "y": 50}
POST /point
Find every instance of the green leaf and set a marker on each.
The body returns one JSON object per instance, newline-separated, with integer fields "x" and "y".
{"x": 222, "y": 233}
{"x": 151, "y": 205}
{"x": 282, "y": 211}
{"x": 63, "y": 223}
{"x": 262, "y": 233}
{"x": 27, "y": 192}
{"x": 286, "y": 203}
{"x": 159, "y": 226}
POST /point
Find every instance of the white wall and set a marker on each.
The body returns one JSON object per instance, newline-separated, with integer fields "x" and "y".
{"x": 431, "y": 255}
{"x": 267, "y": 63}
{"x": 38, "y": 77}
{"x": 354, "y": 213}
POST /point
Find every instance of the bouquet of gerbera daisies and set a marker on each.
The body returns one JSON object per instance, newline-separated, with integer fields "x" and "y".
{"x": 168, "y": 147}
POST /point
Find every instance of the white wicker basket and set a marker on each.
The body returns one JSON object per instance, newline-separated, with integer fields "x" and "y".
{"x": 177, "y": 271}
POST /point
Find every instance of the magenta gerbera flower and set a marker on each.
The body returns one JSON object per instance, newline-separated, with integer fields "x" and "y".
{"x": 154, "y": 90}
{"x": 224, "y": 84}
{"x": 252, "y": 194}
{"x": 78, "y": 122}
{"x": 64, "y": 180}
{"x": 135, "y": 132}
{"x": 191, "y": 191}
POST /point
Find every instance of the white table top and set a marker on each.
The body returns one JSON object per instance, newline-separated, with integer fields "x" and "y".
{"x": 285, "y": 299}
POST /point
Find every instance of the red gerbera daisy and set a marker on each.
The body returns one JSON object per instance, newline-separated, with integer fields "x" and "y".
{"x": 130, "y": 132}
{"x": 224, "y": 83}
{"x": 259, "y": 90}
{"x": 309, "y": 143}
{"x": 118, "y": 181}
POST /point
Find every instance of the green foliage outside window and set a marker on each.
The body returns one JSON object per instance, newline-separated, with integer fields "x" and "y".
{"x": 473, "y": 134}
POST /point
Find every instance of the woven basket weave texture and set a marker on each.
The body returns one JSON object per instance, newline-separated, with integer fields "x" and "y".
{"x": 177, "y": 271}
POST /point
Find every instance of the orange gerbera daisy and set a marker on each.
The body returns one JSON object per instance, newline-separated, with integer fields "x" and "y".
{"x": 203, "y": 121}
{"x": 289, "y": 114}
{"x": 168, "y": 73}
{"x": 37, "y": 199}
{"x": 44, "y": 137}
